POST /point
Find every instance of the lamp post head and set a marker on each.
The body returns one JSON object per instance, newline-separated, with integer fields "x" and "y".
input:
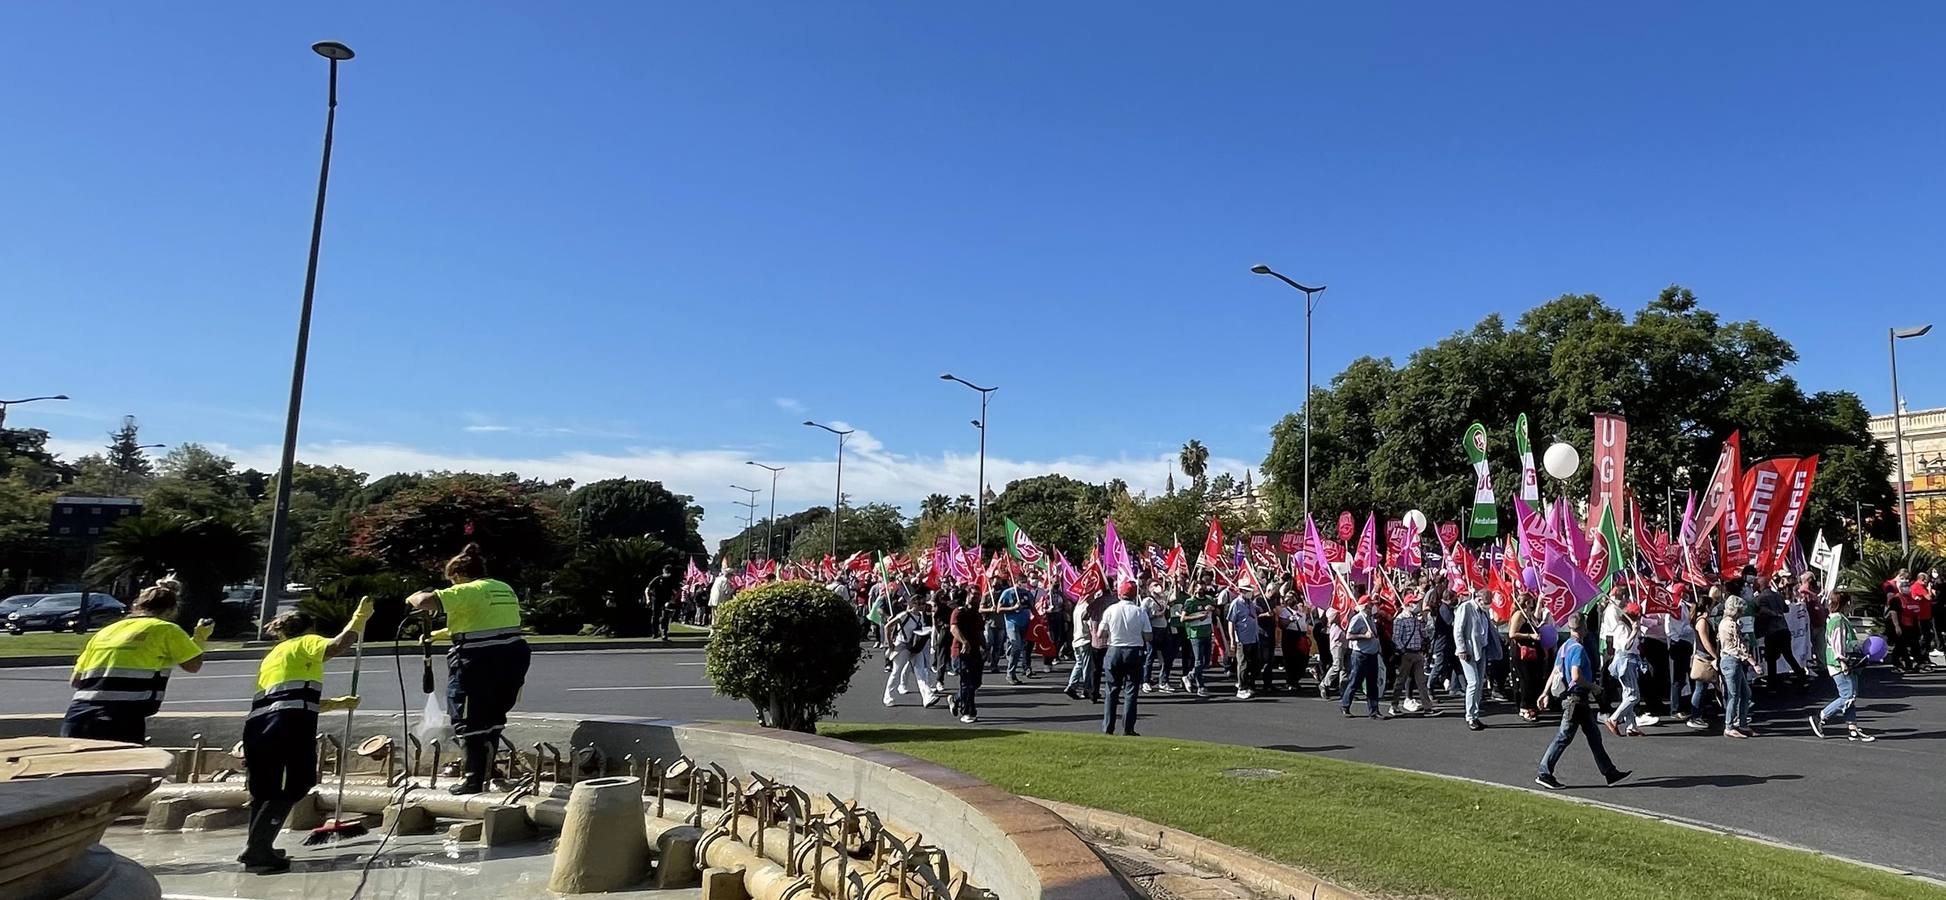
{"x": 1260, "y": 269}
{"x": 975, "y": 423}
{"x": 947, "y": 376}
{"x": 812, "y": 424}
{"x": 332, "y": 50}
{"x": 1911, "y": 332}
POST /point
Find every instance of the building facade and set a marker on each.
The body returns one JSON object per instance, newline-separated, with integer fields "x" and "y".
{"x": 1924, "y": 451}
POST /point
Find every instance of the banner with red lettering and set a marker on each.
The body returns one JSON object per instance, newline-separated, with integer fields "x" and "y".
{"x": 1346, "y": 526}
{"x": 1611, "y": 452}
{"x": 1394, "y": 543}
{"x": 1760, "y": 501}
{"x": 1795, "y": 499}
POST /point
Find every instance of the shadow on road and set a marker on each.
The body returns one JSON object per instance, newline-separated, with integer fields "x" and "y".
{"x": 1689, "y": 781}
{"x": 1321, "y": 748}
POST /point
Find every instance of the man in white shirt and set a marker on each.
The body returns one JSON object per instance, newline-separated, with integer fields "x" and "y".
{"x": 1125, "y": 629}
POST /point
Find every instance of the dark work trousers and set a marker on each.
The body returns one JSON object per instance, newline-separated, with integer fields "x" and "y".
{"x": 482, "y": 685}
{"x": 1124, "y": 685}
{"x": 1654, "y": 682}
{"x": 108, "y": 720}
{"x": 969, "y": 683}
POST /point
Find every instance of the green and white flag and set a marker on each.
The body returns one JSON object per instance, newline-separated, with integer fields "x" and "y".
{"x": 1485, "y": 520}
{"x": 1610, "y": 535}
{"x": 1530, "y": 480}
{"x": 1023, "y": 547}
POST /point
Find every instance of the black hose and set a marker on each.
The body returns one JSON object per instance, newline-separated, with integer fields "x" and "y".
{"x": 405, "y": 743}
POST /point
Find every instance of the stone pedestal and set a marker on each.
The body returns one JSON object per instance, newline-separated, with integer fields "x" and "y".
{"x": 603, "y": 846}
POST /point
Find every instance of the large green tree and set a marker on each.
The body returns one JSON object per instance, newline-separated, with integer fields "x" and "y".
{"x": 872, "y": 527}
{"x": 749, "y": 543}
{"x": 420, "y": 527}
{"x": 203, "y": 553}
{"x": 630, "y": 508}
{"x": 1056, "y": 510}
{"x": 198, "y": 483}
{"x": 1387, "y": 437}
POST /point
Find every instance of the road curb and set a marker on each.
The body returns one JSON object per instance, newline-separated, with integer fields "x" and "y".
{"x": 1262, "y": 876}
{"x": 406, "y": 648}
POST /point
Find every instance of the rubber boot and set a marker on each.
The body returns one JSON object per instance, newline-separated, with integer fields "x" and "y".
{"x": 478, "y": 765}
{"x": 261, "y": 857}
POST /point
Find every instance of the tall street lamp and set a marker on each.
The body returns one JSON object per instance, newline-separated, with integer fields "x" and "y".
{"x": 280, "y": 512}
{"x": 751, "y": 502}
{"x": 6, "y": 403}
{"x": 770, "y": 527}
{"x": 980, "y": 492}
{"x": 1893, "y": 336}
{"x": 838, "y": 498}
{"x": 1310, "y": 306}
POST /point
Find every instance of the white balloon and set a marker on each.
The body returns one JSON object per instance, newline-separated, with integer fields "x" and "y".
{"x": 1415, "y": 520}
{"x": 1562, "y": 461}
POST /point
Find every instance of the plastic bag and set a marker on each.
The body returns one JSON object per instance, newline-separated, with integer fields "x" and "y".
{"x": 434, "y": 724}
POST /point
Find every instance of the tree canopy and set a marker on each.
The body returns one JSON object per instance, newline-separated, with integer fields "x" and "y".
{"x": 1387, "y": 437}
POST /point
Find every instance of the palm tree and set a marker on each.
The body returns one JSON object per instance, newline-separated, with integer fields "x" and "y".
{"x": 204, "y": 554}
{"x": 963, "y": 503}
{"x": 1195, "y": 460}
{"x": 934, "y": 506}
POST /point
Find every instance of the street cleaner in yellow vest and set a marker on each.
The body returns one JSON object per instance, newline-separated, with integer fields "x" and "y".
{"x": 123, "y": 670}
{"x": 487, "y": 666}
{"x": 280, "y": 735}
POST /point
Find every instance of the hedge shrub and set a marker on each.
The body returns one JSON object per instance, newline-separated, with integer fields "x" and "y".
{"x": 790, "y": 648}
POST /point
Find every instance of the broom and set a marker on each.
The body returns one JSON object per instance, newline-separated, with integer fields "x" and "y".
{"x": 337, "y": 828}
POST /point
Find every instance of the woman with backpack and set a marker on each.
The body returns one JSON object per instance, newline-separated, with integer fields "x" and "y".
{"x": 909, "y": 634}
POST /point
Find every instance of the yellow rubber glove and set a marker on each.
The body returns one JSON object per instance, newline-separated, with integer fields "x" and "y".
{"x": 332, "y": 704}
{"x": 360, "y": 616}
{"x": 204, "y": 629}
{"x": 443, "y": 634}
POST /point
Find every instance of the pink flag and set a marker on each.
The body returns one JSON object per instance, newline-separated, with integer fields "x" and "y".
{"x": 1116, "y": 554}
{"x": 1527, "y": 524}
{"x": 956, "y": 566}
{"x": 1366, "y": 559}
{"x": 1315, "y": 570}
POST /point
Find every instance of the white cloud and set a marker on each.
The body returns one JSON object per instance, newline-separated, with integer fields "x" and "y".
{"x": 789, "y": 405}
{"x": 872, "y": 474}
{"x": 484, "y": 429}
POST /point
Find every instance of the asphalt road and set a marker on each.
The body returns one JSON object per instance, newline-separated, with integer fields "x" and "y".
{"x": 1879, "y": 802}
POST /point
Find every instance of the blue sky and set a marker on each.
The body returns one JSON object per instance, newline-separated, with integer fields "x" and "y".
{"x": 650, "y": 239}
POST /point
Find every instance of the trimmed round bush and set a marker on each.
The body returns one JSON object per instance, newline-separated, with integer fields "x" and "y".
{"x": 789, "y": 648}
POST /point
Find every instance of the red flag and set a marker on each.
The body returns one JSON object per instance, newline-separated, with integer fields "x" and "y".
{"x": 1761, "y": 501}
{"x": 1173, "y": 564}
{"x": 1797, "y": 494}
{"x": 1611, "y": 449}
{"x": 1247, "y": 578}
{"x": 1212, "y": 545}
{"x": 1394, "y": 543}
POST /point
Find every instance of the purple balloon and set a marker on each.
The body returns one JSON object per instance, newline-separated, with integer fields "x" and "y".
{"x": 1549, "y": 634}
{"x": 1875, "y": 649}
{"x": 1531, "y": 577}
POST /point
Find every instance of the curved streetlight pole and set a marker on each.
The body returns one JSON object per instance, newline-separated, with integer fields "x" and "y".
{"x": 1892, "y": 338}
{"x": 751, "y": 503}
{"x": 6, "y": 403}
{"x": 279, "y": 551}
{"x": 980, "y": 492}
{"x": 837, "y": 501}
{"x": 770, "y": 527}
{"x": 1310, "y": 306}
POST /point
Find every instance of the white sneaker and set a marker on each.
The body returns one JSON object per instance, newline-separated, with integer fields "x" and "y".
{"x": 889, "y": 702}
{"x": 1188, "y": 687}
{"x": 967, "y": 720}
{"x": 1244, "y": 695}
{"x": 1646, "y": 720}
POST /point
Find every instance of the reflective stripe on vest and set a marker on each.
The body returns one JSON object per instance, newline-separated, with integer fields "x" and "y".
{"x": 283, "y": 706}
{"x": 289, "y": 695}
{"x": 110, "y": 684}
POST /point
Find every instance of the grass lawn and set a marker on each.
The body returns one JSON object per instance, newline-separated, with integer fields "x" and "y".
{"x": 1381, "y": 830}
{"x": 41, "y": 643}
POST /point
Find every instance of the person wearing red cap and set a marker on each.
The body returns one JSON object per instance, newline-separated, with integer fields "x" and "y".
{"x": 1627, "y": 669}
{"x": 1126, "y": 631}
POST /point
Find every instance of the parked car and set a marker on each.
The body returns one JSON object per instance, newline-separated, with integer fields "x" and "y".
{"x": 62, "y": 612}
{"x": 17, "y": 602}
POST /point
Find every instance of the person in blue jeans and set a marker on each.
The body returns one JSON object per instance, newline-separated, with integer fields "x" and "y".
{"x": 1016, "y": 614}
{"x": 1735, "y": 661}
{"x": 1840, "y": 645}
{"x": 1576, "y": 671}
{"x": 1361, "y": 633}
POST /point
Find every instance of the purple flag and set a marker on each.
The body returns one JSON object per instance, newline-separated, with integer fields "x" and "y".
{"x": 1315, "y": 570}
{"x": 1115, "y": 554}
{"x": 1564, "y": 589}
